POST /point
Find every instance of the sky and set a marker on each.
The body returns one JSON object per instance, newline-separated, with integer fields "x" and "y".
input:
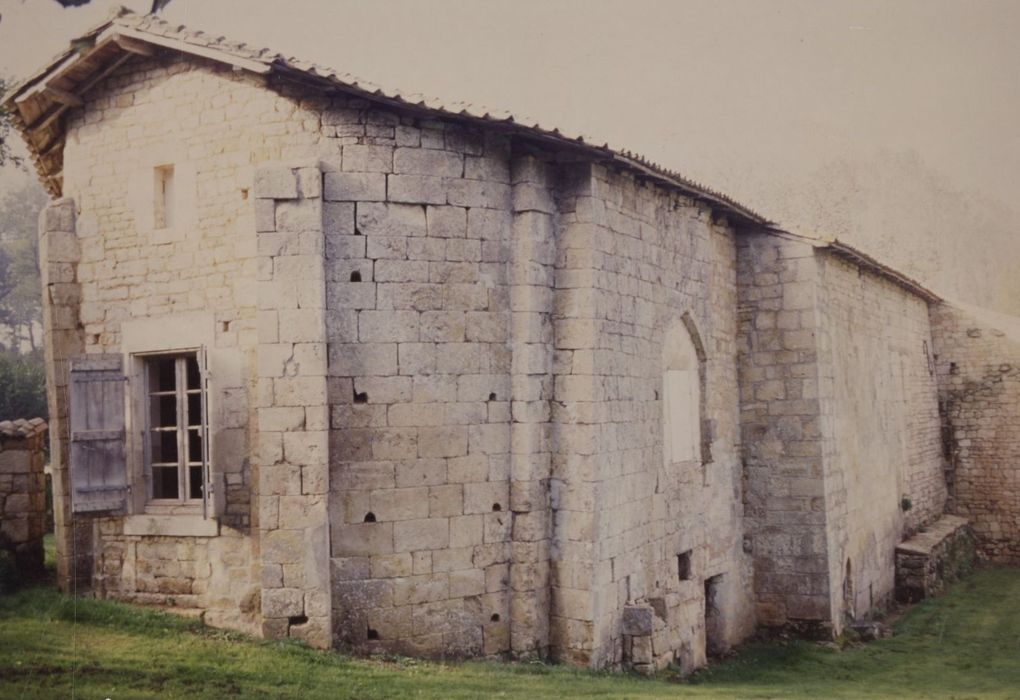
{"x": 758, "y": 98}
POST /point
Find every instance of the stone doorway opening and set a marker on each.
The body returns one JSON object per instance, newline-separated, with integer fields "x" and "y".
{"x": 715, "y": 624}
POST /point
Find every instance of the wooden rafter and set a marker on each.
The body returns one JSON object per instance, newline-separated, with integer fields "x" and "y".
{"x": 63, "y": 96}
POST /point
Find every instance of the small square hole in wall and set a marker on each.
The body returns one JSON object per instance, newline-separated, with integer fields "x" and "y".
{"x": 683, "y": 565}
{"x": 163, "y": 197}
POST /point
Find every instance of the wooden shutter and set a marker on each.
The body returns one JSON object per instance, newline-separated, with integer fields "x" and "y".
{"x": 213, "y": 488}
{"x": 98, "y": 465}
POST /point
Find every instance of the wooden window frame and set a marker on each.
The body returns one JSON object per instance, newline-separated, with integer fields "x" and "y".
{"x": 183, "y": 503}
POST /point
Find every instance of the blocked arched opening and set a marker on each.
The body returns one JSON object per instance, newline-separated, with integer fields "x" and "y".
{"x": 686, "y": 426}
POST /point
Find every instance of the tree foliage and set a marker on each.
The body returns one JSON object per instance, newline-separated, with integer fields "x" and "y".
{"x": 157, "y": 5}
{"x": 7, "y": 155}
{"x": 22, "y": 386}
{"x": 20, "y": 289}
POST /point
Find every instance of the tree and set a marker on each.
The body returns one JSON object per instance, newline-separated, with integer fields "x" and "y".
{"x": 157, "y": 5}
{"x": 22, "y": 386}
{"x": 20, "y": 290}
{"x": 7, "y": 155}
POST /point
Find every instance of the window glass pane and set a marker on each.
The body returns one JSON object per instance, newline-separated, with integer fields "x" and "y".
{"x": 194, "y": 445}
{"x": 164, "y": 482}
{"x": 164, "y": 446}
{"x": 192, "y": 372}
{"x": 161, "y": 374}
{"x": 196, "y": 482}
{"x": 194, "y": 409}
{"x": 163, "y": 411}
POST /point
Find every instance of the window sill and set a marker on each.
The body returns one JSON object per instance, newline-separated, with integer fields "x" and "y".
{"x": 171, "y": 526}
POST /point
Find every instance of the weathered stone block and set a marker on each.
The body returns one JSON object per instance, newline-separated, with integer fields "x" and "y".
{"x": 418, "y": 189}
{"x": 412, "y": 535}
{"x": 355, "y": 187}
{"x": 638, "y": 620}
{"x": 275, "y": 182}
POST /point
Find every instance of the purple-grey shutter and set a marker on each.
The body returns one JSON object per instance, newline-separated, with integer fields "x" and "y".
{"x": 98, "y": 465}
{"x": 212, "y": 489}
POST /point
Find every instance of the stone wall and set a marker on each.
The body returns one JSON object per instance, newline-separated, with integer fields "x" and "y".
{"x": 781, "y": 430}
{"x": 879, "y": 412}
{"x": 839, "y": 417}
{"x": 636, "y": 267}
{"x": 23, "y": 494}
{"x": 496, "y": 326}
{"x": 418, "y": 218}
{"x": 59, "y": 254}
{"x": 437, "y": 393}
{"x": 979, "y": 392}
{"x": 933, "y": 558}
{"x": 293, "y": 456}
{"x": 121, "y": 283}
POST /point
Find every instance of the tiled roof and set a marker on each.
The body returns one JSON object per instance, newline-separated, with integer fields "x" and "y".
{"x": 22, "y": 428}
{"x": 126, "y": 26}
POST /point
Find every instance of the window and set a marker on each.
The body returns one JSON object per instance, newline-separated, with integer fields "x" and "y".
{"x": 683, "y": 565}
{"x": 163, "y": 201}
{"x": 176, "y": 431}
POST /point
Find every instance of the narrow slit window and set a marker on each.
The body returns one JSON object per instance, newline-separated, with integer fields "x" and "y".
{"x": 683, "y": 566}
{"x": 164, "y": 204}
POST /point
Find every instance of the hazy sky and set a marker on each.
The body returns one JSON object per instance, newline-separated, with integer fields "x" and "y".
{"x": 738, "y": 94}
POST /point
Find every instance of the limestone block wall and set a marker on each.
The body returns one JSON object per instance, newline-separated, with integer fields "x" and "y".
{"x": 839, "y": 425}
{"x": 879, "y": 411}
{"x": 781, "y": 428}
{"x": 187, "y": 277}
{"x": 292, "y": 410}
{"x": 59, "y": 255}
{"x": 23, "y": 493}
{"x": 636, "y": 264}
{"x": 979, "y": 393}
{"x": 495, "y": 320}
{"x": 417, "y": 218}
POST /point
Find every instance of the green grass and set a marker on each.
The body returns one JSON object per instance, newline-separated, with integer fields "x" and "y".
{"x": 965, "y": 644}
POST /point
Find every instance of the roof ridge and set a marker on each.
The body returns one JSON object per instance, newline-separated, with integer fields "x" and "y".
{"x": 141, "y": 24}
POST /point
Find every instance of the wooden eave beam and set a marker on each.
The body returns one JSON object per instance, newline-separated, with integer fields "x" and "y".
{"x": 53, "y": 114}
{"x": 186, "y": 47}
{"x": 63, "y": 96}
{"x": 139, "y": 48}
{"x": 51, "y": 148}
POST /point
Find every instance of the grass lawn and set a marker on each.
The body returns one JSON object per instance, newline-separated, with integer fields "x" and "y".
{"x": 965, "y": 644}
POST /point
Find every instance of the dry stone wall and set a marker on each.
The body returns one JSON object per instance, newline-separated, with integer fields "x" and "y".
{"x": 979, "y": 393}
{"x": 23, "y": 494}
{"x": 934, "y": 558}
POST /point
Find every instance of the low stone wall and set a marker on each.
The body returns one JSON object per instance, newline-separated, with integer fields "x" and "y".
{"x": 23, "y": 493}
{"x": 933, "y": 558}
